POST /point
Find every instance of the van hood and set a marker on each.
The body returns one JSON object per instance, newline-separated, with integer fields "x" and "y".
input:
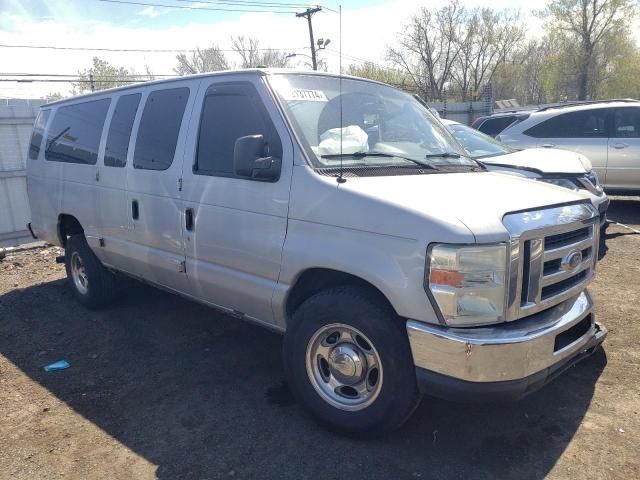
{"x": 544, "y": 161}
{"x": 478, "y": 200}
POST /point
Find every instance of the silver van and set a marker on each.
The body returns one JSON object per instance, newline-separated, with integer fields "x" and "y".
{"x": 335, "y": 210}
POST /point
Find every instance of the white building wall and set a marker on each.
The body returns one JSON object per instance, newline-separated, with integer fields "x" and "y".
{"x": 16, "y": 120}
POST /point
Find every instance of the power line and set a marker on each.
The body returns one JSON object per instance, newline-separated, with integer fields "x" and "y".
{"x": 191, "y": 7}
{"x": 156, "y": 50}
{"x": 250, "y": 3}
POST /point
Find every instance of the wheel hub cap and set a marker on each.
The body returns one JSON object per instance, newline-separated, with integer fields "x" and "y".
{"x": 345, "y": 364}
{"x": 344, "y": 367}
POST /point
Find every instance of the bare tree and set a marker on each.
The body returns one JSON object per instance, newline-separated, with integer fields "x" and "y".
{"x": 253, "y": 56}
{"x": 210, "y": 59}
{"x": 589, "y": 23}
{"x": 429, "y": 48}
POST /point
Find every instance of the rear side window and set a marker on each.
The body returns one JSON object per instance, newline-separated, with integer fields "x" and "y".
{"x": 74, "y": 135}
{"x": 231, "y": 112}
{"x": 159, "y": 128}
{"x": 493, "y": 126}
{"x": 38, "y": 132}
{"x": 626, "y": 123}
{"x": 115, "y": 154}
{"x": 582, "y": 124}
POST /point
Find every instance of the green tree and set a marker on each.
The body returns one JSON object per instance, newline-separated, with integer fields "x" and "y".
{"x": 100, "y": 76}
{"x": 379, "y": 73}
{"x": 585, "y": 28}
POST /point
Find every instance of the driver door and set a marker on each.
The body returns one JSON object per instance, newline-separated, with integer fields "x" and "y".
{"x": 237, "y": 225}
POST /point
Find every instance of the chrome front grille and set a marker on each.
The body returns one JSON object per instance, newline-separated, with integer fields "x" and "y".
{"x": 553, "y": 256}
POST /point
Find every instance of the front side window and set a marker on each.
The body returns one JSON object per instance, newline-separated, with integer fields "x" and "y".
{"x": 115, "y": 154}
{"x": 364, "y": 124}
{"x": 626, "y": 122}
{"x": 74, "y": 135}
{"x": 476, "y": 143}
{"x": 159, "y": 128}
{"x": 581, "y": 124}
{"x": 38, "y": 132}
{"x": 230, "y": 112}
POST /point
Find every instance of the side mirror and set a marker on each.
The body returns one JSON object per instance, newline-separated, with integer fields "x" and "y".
{"x": 251, "y": 159}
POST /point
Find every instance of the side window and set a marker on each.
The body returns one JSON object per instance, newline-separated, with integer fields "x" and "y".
{"x": 115, "y": 154}
{"x": 74, "y": 135}
{"x": 581, "y": 124}
{"x": 228, "y": 114}
{"x": 38, "y": 132}
{"x": 626, "y": 123}
{"x": 159, "y": 128}
{"x": 493, "y": 126}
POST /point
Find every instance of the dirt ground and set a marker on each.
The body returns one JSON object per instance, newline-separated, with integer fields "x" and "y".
{"x": 160, "y": 387}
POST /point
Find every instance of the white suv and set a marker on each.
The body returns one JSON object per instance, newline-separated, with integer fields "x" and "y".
{"x": 607, "y": 132}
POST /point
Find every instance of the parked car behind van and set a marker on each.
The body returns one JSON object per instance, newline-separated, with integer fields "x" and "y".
{"x": 339, "y": 212}
{"x": 606, "y": 132}
{"x": 559, "y": 167}
{"x": 495, "y": 123}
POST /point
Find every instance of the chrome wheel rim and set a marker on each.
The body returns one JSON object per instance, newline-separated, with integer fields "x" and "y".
{"x": 79, "y": 274}
{"x": 344, "y": 367}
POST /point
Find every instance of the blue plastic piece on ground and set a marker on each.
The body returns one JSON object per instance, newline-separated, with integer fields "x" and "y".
{"x": 59, "y": 365}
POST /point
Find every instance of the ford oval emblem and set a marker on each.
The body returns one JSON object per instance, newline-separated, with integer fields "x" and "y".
{"x": 572, "y": 260}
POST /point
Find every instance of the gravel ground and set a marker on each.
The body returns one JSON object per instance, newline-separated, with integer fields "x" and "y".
{"x": 160, "y": 387}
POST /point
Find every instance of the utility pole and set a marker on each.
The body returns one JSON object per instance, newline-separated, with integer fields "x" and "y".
{"x": 307, "y": 14}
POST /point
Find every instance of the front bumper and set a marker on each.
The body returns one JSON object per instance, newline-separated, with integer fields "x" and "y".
{"x": 508, "y": 360}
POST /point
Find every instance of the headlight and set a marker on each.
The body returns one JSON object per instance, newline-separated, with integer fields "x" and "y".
{"x": 592, "y": 177}
{"x": 468, "y": 283}
{"x": 561, "y": 182}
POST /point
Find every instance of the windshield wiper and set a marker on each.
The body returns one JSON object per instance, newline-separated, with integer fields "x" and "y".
{"x": 443, "y": 155}
{"x": 379, "y": 154}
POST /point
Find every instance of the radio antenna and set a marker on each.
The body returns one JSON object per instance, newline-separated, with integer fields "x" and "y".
{"x": 340, "y": 178}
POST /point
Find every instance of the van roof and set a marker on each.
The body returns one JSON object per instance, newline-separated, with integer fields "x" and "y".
{"x": 244, "y": 71}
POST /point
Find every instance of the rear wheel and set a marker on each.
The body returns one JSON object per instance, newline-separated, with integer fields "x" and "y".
{"x": 91, "y": 283}
{"x": 348, "y": 361}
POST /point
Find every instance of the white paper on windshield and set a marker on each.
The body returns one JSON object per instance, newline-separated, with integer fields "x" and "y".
{"x": 301, "y": 94}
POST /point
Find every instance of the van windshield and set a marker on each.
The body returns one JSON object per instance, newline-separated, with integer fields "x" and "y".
{"x": 364, "y": 124}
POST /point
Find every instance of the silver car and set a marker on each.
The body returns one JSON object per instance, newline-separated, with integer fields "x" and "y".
{"x": 558, "y": 167}
{"x": 607, "y": 132}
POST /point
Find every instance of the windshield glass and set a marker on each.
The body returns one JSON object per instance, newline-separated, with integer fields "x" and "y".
{"x": 378, "y": 125}
{"x": 477, "y": 144}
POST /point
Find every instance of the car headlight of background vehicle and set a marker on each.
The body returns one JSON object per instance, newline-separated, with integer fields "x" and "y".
{"x": 468, "y": 283}
{"x": 561, "y": 182}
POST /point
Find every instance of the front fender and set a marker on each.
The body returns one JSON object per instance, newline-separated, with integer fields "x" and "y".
{"x": 394, "y": 265}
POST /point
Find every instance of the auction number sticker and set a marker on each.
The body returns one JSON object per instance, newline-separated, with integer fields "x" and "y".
{"x": 306, "y": 95}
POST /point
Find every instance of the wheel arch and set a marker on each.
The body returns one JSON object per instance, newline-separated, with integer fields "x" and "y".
{"x": 68, "y": 225}
{"x": 316, "y": 279}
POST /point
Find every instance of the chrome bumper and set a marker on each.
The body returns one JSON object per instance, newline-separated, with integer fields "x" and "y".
{"x": 509, "y": 351}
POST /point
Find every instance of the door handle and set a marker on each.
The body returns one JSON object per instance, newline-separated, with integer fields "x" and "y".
{"x": 619, "y": 146}
{"x": 188, "y": 219}
{"x": 547, "y": 145}
{"x": 135, "y": 210}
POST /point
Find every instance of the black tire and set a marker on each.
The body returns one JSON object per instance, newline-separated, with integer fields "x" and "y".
{"x": 101, "y": 283}
{"x": 365, "y": 311}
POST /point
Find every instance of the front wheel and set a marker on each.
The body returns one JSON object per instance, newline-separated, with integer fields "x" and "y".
{"x": 348, "y": 361}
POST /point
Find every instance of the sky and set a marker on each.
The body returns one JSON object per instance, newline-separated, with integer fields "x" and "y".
{"x": 368, "y": 28}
